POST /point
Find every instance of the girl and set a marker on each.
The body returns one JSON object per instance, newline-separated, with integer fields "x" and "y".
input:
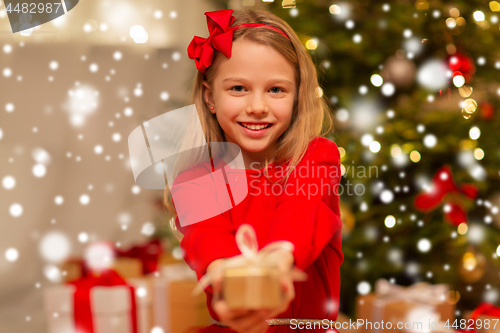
{"x": 257, "y": 87}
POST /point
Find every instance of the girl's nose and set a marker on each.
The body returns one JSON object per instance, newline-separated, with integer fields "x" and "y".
{"x": 257, "y": 106}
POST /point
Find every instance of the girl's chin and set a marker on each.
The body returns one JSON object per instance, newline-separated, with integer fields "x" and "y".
{"x": 252, "y": 148}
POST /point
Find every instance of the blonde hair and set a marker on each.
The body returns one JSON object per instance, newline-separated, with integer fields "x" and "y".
{"x": 311, "y": 114}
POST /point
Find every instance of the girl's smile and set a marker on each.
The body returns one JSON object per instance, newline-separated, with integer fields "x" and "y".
{"x": 253, "y": 95}
{"x": 255, "y": 130}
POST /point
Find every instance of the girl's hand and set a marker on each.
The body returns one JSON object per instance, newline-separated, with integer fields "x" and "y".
{"x": 240, "y": 320}
{"x": 254, "y": 321}
{"x": 284, "y": 260}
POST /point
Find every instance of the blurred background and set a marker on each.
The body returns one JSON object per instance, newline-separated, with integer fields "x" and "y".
{"x": 415, "y": 89}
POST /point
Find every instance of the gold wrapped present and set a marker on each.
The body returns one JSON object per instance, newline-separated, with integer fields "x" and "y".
{"x": 167, "y": 259}
{"x": 128, "y": 268}
{"x": 391, "y": 304}
{"x": 175, "y": 308}
{"x": 252, "y": 287}
{"x": 252, "y": 279}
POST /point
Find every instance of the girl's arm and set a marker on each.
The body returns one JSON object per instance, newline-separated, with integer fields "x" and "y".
{"x": 307, "y": 213}
{"x": 207, "y": 241}
{"x": 196, "y": 194}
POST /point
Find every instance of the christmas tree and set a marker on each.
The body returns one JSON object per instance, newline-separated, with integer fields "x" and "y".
{"x": 415, "y": 90}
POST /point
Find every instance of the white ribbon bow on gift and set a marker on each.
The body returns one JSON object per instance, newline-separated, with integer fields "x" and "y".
{"x": 246, "y": 240}
{"x": 421, "y": 292}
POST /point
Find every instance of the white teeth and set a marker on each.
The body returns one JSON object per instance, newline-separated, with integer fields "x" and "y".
{"x": 255, "y": 127}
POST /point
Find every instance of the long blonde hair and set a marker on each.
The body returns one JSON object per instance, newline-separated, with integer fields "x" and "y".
{"x": 311, "y": 114}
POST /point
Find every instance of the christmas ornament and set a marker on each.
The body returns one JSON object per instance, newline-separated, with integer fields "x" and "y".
{"x": 348, "y": 220}
{"x": 432, "y": 75}
{"x": 469, "y": 107}
{"x": 487, "y": 111}
{"x": 472, "y": 267}
{"x": 399, "y": 70}
{"x": 444, "y": 190}
{"x": 461, "y": 65}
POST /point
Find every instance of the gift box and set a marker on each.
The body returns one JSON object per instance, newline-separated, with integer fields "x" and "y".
{"x": 393, "y": 303}
{"x": 167, "y": 259}
{"x": 128, "y": 268}
{"x": 148, "y": 253}
{"x": 74, "y": 269}
{"x": 252, "y": 280}
{"x": 88, "y": 306}
{"x": 252, "y": 287}
{"x": 144, "y": 294}
{"x": 175, "y": 308}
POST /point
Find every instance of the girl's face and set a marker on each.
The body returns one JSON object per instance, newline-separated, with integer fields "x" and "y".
{"x": 252, "y": 95}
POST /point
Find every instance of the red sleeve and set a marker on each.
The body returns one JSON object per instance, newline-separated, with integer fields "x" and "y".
{"x": 199, "y": 190}
{"x": 307, "y": 212}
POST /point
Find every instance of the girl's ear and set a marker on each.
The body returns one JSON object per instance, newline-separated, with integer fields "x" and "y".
{"x": 208, "y": 96}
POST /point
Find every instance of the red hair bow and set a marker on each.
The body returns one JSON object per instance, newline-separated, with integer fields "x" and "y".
{"x": 221, "y": 38}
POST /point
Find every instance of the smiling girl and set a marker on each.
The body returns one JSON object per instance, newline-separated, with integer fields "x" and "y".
{"x": 257, "y": 87}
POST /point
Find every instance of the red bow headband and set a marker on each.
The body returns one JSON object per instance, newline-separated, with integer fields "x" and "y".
{"x": 221, "y": 38}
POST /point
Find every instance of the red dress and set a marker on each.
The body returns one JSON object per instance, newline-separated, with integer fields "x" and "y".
{"x": 305, "y": 212}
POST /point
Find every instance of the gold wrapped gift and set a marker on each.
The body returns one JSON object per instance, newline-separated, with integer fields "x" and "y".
{"x": 128, "y": 268}
{"x": 175, "y": 309}
{"x": 392, "y": 304}
{"x": 252, "y": 287}
{"x": 252, "y": 279}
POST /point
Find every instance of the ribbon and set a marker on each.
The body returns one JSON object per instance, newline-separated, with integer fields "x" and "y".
{"x": 422, "y": 292}
{"x": 148, "y": 253}
{"x": 82, "y": 304}
{"x": 484, "y": 308}
{"x": 246, "y": 240}
{"x": 221, "y": 38}
{"x": 444, "y": 190}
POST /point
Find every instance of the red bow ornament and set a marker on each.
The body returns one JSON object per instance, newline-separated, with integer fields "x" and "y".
{"x": 444, "y": 190}
{"x": 221, "y": 38}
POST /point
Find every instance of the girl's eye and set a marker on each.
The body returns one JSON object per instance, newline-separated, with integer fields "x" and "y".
{"x": 273, "y": 89}
{"x": 237, "y": 90}
{"x": 278, "y": 89}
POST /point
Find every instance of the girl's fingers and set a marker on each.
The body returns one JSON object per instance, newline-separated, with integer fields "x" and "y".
{"x": 248, "y": 323}
{"x": 225, "y": 314}
{"x": 241, "y": 320}
{"x": 217, "y": 283}
{"x": 260, "y": 328}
